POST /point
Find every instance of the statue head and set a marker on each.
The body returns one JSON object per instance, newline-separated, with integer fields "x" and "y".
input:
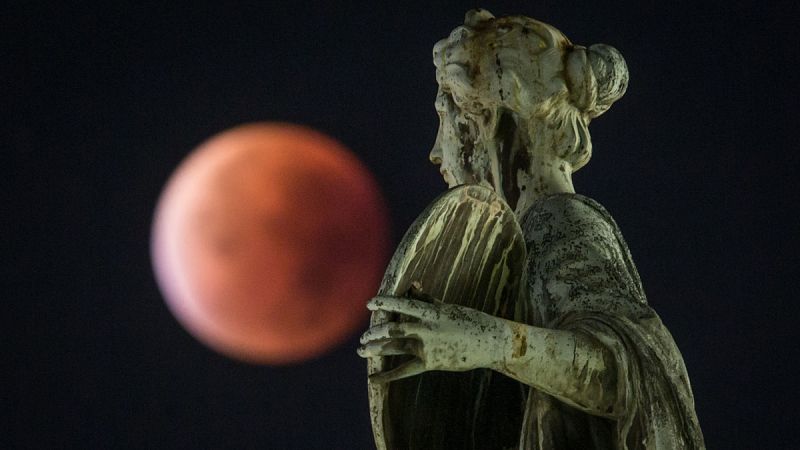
{"x": 513, "y": 86}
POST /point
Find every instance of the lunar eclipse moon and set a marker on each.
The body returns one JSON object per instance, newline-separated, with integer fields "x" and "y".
{"x": 267, "y": 242}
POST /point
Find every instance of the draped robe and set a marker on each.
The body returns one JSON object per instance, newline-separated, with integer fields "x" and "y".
{"x": 580, "y": 277}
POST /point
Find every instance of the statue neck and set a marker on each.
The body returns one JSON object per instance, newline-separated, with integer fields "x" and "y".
{"x": 524, "y": 166}
{"x": 548, "y": 175}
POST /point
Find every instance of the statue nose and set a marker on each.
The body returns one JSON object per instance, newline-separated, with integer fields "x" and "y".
{"x": 436, "y": 155}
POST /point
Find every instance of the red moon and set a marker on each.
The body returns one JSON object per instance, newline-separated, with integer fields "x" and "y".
{"x": 267, "y": 242}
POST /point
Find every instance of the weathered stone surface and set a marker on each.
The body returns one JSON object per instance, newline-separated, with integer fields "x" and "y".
{"x": 465, "y": 249}
{"x": 594, "y": 363}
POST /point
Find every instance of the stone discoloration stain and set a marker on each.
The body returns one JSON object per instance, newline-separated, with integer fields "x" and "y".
{"x": 519, "y": 340}
{"x": 469, "y": 231}
{"x": 550, "y": 346}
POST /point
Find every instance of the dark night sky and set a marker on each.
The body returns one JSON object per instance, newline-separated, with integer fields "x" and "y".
{"x": 103, "y": 101}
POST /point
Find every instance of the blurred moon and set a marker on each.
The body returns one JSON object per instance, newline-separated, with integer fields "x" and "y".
{"x": 267, "y": 242}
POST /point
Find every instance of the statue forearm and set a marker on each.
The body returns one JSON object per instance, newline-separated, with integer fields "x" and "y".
{"x": 568, "y": 365}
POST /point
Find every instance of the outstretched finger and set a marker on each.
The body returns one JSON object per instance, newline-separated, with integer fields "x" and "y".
{"x": 388, "y": 347}
{"x": 409, "y": 307}
{"x": 391, "y": 330}
{"x": 409, "y": 369}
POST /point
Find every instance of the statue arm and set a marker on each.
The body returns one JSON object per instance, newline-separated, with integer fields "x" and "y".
{"x": 568, "y": 365}
{"x": 578, "y": 269}
{"x": 565, "y": 364}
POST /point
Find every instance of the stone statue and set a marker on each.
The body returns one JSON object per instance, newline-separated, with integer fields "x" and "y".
{"x": 595, "y": 366}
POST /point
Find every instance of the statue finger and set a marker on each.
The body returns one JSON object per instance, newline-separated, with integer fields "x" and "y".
{"x": 393, "y": 330}
{"x": 409, "y": 369}
{"x": 415, "y": 291}
{"x": 388, "y": 347}
{"x": 406, "y": 306}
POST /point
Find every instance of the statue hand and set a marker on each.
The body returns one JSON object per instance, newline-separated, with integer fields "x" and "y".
{"x": 444, "y": 337}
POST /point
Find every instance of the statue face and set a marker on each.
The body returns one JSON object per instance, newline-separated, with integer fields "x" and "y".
{"x": 457, "y": 151}
{"x": 486, "y": 67}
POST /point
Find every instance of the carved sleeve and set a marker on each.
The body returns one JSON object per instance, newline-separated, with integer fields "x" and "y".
{"x": 578, "y": 267}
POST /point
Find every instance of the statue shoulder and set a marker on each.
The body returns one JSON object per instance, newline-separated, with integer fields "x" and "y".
{"x": 562, "y": 227}
{"x": 571, "y": 214}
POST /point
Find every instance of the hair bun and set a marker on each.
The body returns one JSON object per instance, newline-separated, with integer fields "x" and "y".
{"x": 597, "y": 77}
{"x": 611, "y": 74}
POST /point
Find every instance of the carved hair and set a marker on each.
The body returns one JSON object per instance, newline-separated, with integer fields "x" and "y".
{"x": 595, "y": 77}
{"x": 555, "y": 94}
